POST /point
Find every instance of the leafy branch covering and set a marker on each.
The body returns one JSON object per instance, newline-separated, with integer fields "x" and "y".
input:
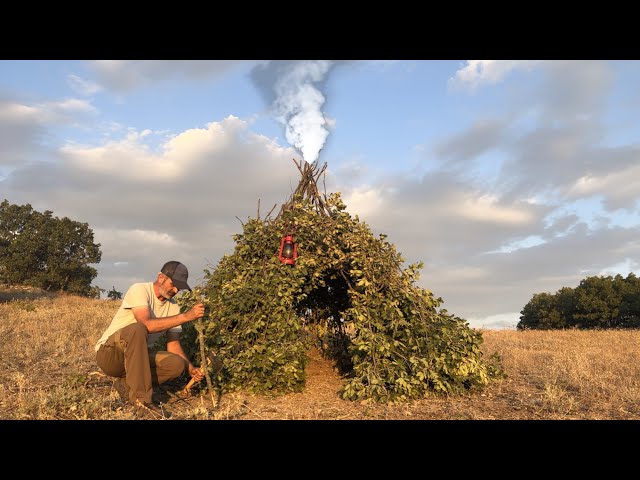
{"x": 347, "y": 293}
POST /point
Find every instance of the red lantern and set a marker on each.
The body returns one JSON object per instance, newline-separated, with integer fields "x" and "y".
{"x": 288, "y": 250}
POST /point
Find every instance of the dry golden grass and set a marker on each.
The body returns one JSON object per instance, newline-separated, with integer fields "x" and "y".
{"x": 49, "y": 372}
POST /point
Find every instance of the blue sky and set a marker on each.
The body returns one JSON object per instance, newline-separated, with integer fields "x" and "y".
{"x": 507, "y": 178}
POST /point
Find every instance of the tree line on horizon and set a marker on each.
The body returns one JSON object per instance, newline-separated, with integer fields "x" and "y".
{"x": 598, "y": 302}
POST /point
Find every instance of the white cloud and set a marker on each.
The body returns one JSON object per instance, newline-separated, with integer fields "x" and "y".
{"x": 123, "y": 159}
{"x": 122, "y": 76}
{"x": 66, "y": 109}
{"x": 486, "y": 208}
{"x": 363, "y": 201}
{"x": 131, "y": 158}
{"x": 620, "y": 188}
{"x": 477, "y": 73}
{"x": 134, "y": 238}
{"x": 461, "y": 273}
{"x": 496, "y": 322}
{"x": 24, "y": 127}
{"x": 623, "y": 268}
{"x": 82, "y": 86}
{"x": 62, "y": 111}
{"x": 16, "y": 113}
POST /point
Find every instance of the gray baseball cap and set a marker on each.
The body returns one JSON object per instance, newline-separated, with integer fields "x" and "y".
{"x": 178, "y": 274}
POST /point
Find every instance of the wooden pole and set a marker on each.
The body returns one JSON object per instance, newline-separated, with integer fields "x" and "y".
{"x": 203, "y": 360}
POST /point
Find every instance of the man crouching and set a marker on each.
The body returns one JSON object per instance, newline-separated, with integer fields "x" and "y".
{"x": 147, "y": 311}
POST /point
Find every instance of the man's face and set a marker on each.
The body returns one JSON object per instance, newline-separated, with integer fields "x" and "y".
{"x": 166, "y": 288}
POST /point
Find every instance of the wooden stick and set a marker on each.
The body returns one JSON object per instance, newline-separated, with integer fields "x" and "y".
{"x": 189, "y": 385}
{"x": 203, "y": 360}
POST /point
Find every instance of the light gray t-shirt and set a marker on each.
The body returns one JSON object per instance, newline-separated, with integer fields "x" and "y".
{"x": 140, "y": 294}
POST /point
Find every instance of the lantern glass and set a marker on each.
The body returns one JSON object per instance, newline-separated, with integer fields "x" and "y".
{"x": 287, "y": 250}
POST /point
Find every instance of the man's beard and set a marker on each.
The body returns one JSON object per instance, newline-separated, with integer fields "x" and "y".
{"x": 166, "y": 293}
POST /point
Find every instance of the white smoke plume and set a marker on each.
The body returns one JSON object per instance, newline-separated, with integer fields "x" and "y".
{"x": 293, "y": 89}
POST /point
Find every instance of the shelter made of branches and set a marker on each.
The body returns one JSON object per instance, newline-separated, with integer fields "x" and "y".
{"x": 347, "y": 293}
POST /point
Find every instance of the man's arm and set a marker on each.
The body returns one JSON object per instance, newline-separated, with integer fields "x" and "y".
{"x": 174, "y": 346}
{"x": 153, "y": 325}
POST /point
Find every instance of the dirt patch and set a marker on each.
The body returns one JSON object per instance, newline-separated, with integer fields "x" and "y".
{"x": 319, "y": 400}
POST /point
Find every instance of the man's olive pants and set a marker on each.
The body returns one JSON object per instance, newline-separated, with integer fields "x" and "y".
{"x": 125, "y": 354}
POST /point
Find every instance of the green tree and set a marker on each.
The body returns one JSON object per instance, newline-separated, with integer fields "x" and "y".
{"x": 629, "y": 289}
{"x": 541, "y": 313}
{"x": 565, "y": 301}
{"x": 597, "y": 302}
{"x": 44, "y": 251}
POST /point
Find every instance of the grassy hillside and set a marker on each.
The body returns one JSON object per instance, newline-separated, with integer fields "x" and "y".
{"x": 49, "y": 372}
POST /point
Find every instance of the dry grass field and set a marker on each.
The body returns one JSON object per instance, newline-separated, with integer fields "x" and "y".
{"x": 49, "y": 372}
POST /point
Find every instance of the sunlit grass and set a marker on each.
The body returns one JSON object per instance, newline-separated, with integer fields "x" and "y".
{"x": 49, "y": 372}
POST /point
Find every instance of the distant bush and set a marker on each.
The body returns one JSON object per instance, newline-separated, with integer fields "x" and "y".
{"x": 113, "y": 294}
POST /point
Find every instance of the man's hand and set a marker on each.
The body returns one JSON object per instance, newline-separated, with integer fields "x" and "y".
{"x": 197, "y": 311}
{"x": 197, "y": 374}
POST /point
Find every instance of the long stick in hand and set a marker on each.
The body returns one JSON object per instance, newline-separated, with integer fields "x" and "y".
{"x": 203, "y": 359}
